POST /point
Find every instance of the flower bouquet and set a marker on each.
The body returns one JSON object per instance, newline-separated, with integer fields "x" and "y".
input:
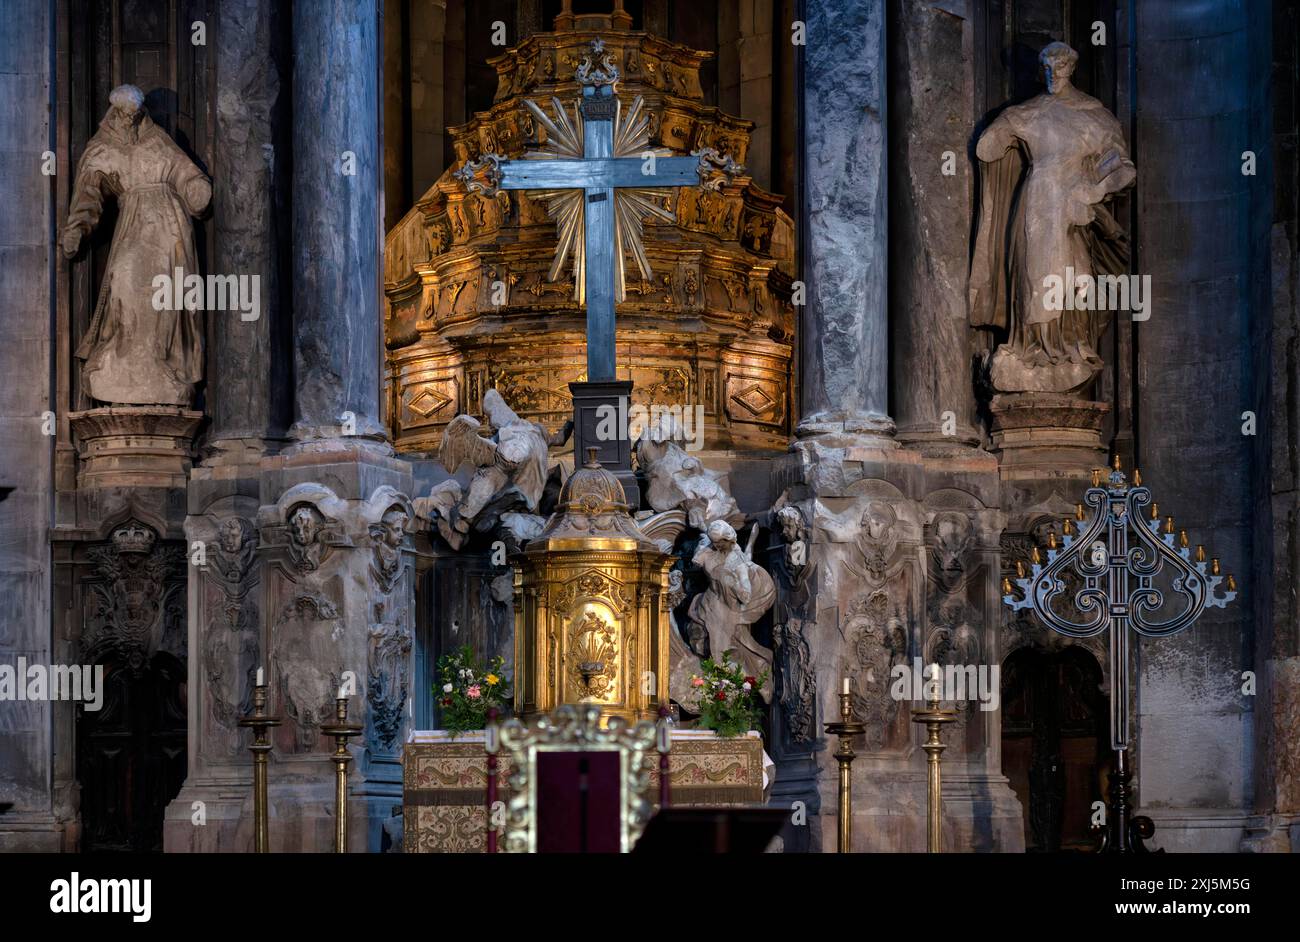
{"x": 469, "y": 689}
{"x": 729, "y": 701}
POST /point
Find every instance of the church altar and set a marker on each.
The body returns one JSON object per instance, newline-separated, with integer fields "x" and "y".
{"x": 444, "y": 782}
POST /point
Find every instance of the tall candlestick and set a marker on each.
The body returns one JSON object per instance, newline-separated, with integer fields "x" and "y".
{"x": 260, "y": 722}
{"x": 341, "y": 730}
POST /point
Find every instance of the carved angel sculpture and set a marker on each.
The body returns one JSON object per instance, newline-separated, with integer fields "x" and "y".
{"x": 739, "y": 592}
{"x": 509, "y": 475}
{"x": 679, "y": 481}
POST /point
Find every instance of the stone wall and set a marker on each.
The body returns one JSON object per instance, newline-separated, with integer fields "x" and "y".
{"x": 26, "y": 354}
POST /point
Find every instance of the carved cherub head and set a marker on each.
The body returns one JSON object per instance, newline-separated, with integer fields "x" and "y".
{"x": 878, "y": 520}
{"x": 234, "y": 532}
{"x": 392, "y": 527}
{"x": 1058, "y": 61}
{"x": 305, "y": 524}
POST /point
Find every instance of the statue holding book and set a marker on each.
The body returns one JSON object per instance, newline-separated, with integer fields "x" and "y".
{"x": 1049, "y": 167}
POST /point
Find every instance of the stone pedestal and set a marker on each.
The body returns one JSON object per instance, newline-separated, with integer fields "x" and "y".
{"x": 1047, "y": 434}
{"x": 337, "y": 591}
{"x": 888, "y": 555}
{"x": 135, "y": 446}
{"x": 592, "y": 403}
{"x": 225, "y": 649}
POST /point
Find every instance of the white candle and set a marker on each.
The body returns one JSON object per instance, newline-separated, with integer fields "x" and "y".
{"x": 342, "y": 692}
{"x": 846, "y": 686}
{"x": 261, "y": 680}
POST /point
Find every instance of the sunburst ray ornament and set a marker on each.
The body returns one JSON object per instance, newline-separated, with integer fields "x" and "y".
{"x": 632, "y": 205}
{"x": 600, "y": 180}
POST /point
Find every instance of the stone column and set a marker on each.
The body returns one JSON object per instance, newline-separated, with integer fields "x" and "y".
{"x": 336, "y": 590}
{"x": 248, "y": 398}
{"x": 1277, "y": 651}
{"x": 337, "y": 240}
{"x": 27, "y": 756}
{"x": 1202, "y": 362}
{"x": 246, "y": 373}
{"x": 844, "y": 334}
{"x": 929, "y": 225}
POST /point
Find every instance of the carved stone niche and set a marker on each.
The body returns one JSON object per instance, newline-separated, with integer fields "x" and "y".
{"x": 134, "y": 598}
{"x": 391, "y": 633}
{"x": 858, "y": 606}
{"x": 227, "y": 636}
{"x": 963, "y": 606}
{"x": 305, "y": 547}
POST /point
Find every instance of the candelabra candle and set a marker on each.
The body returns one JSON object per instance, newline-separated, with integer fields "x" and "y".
{"x": 663, "y": 743}
{"x": 845, "y": 730}
{"x": 342, "y": 731}
{"x": 259, "y": 722}
{"x": 1118, "y": 555}
{"x": 492, "y": 745}
{"x": 934, "y": 720}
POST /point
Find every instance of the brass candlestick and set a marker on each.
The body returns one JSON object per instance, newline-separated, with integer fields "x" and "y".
{"x": 342, "y": 731}
{"x": 845, "y": 729}
{"x": 260, "y": 722}
{"x": 934, "y": 719}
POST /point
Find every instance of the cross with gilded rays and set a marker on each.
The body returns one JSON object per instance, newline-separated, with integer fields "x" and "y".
{"x": 599, "y": 179}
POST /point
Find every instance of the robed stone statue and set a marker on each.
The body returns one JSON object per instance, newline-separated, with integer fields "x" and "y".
{"x": 1048, "y": 166}
{"x": 140, "y": 350}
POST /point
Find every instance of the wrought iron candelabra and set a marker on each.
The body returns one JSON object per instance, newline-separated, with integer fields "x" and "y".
{"x": 1117, "y": 552}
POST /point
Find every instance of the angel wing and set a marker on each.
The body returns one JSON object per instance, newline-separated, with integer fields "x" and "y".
{"x": 462, "y": 443}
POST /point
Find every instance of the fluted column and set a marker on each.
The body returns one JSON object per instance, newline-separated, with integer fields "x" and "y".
{"x": 844, "y": 332}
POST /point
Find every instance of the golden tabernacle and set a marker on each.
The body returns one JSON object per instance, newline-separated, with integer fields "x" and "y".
{"x": 481, "y": 293}
{"x": 591, "y": 613}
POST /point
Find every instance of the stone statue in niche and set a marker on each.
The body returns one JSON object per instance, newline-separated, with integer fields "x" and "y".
{"x": 677, "y": 480}
{"x": 1045, "y": 226}
{"x": 510, "y": 471}
{"x": 386, "y": 538}
{"x": 739, "y": 592}
{"x": 136, "y": 352}
{"x": 306, "y": 529}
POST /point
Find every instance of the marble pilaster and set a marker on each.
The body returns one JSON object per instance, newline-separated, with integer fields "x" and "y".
{"x": 844, "y": 326}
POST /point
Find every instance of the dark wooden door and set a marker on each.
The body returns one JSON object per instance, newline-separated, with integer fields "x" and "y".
{"x": 131, "y": 759}
{"x": 1054, "y": 719}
